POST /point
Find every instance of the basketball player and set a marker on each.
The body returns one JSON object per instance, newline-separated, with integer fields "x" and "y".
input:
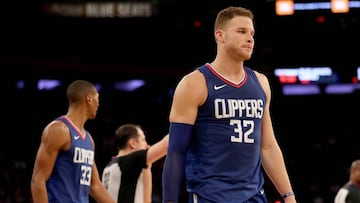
{"x": 65, "y": 169}
{"x": 127, "y": 176}
{"x": 220, "y": 125}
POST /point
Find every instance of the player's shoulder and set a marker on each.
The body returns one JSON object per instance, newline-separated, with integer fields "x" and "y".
{"x": 56, "y": 125}
{"x": 260, "y": 75}
{"x": 194, "y": 75}
{"x": 56, "y": 133}
{"x": 192, "y": 78}
{"x": 56, "y": 128}
{"x": 192, "y": 85}
{"x": 263, "y": 79}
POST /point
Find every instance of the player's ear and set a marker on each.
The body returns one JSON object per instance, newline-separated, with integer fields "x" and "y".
{"x": 132, "y": 143}
{"x": 219, "y": 35}
{"x": 88, "y": 99}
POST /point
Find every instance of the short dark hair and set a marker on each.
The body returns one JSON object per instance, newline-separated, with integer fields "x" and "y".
{"x": 79, "y": 89}
{"x": 355, "y": 164}
{"x": 124, "y": 133}
{"x": 229, "y": 13}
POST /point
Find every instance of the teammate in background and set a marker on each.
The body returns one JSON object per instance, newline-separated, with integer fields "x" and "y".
{"x": 350, "y": 192}
{"x": 65, "y": 169}
{"x": 127, "y": 176}
{"x": 220, "y": 125}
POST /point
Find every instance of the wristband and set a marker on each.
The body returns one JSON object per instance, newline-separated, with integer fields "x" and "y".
{"x": 288, "y": 194}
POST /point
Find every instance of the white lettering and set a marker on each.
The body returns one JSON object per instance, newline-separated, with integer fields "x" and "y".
{"x": 83, "y": 156}
{"x": 242, "y": 108}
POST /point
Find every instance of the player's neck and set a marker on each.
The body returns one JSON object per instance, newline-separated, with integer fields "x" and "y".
{"x": 79, "y": 125}
{"x": 231, "y": 71}
{"x": 77, "y": 116}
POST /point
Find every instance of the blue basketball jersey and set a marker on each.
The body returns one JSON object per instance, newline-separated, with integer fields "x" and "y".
{"x": 223, "y": 163}
{"x": 71, "y": 176}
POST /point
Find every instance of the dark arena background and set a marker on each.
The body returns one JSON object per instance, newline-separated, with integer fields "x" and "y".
{"x": 137, "y": 51}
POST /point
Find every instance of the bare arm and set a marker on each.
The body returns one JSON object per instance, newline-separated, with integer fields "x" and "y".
{"x": 190, "y": 93}
{"x": 272, "y": 157}
{"x": 183, "y": 110}
{"x": 147, "y": 179}
{"x": 55, "y": 137}
{"x": 157, "y": 150}
{"x": 97, "y": 189}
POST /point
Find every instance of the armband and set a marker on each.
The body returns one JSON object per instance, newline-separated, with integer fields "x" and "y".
{"x": 179, "y": 137}
{"x": 288, "y": 194}
{"x": 173, "y": 171}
